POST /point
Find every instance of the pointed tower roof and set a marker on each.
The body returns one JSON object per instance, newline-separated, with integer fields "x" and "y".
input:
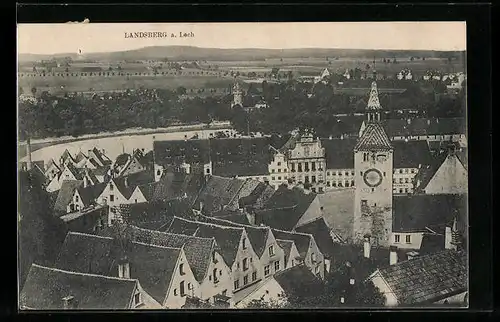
{"x": 373, "y": 102}
{"x": 373, "y": 138}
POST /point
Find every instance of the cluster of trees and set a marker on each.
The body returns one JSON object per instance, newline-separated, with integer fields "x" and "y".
{"x": 40, "y": 234}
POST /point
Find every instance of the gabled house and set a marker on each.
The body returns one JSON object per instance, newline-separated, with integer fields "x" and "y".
{"x": 89, "y": 220}
{"x": 290, "y": 252}
{"x": 52, "y": 170}
{"x": 66, "y": 158}
{"x": 48, "y": 288}
{"x": 98, "y": 158}
{"x": 217, "y": 194}
{"x": 203, "y": 256}
{"x": 163, "y": 272}
{"x": 324, "y": 237}
{"x": 309, "y": 253}
{"x": 85, "y": 196}
{"x": 127, "y": 164}
{"x": 69, "y": 172}
{"x": 439, "y": 278}
{"x": 65, "y": 195}
{"x": 82, "y": 161}
{"x": 270, "y": 254}
{"x": 235, "y": 247}
{"x": 297, "y": 281}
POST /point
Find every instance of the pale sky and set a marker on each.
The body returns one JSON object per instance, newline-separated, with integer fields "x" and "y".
{"x": 99, "y": 37}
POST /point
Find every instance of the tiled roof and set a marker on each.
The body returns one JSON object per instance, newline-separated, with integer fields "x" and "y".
{"x": 121, "y": 160}
{"x": 235, "y": 216}
{"x": 101, "y": 157}
{"x": 339, "y": 153}
{"x": 250, "y": 199}
{"x": 373, "y": 138}
{"x": 299, "y": 281}
{"x": 427, "y": 172}
{"x": 90, "y": 193}
{"x": 66, "y": 154}
{"x": 80, "y": 156}
{"x": 66, "y": 193}
{"x": 373, "y": 102}
{"x": 240, "y": 157}
{"x": 198, "y": 250}
{"x": 338, "y": 210}
{"x": 301, "y": 240}
{"x": 432, "y": 243}
{"x": 217, "y": 193}
{"x": 411, "y": 154}
{"x": 154, "y": 214}
{"x": 426, "y": 279}
{"x": 286, "y": 245}
{"x": 424, "y": 126}
{"x": 78, "y": 173}
{"x": 127, "y": 184}
{"x": 413, "y": 213}
{"x": 321, "y": 234}
{"x": 168, "y": 153}
{"x": 100, "y": 171}
{"x": 227, "y": 238}
{"x": 46, "y": 287}
{"x": 177, "y": 185}
{"x": 278, "y": 141}
{"x": 152, "y": 265}
{"x": 146, "y": 160}
{"x": 285, "y": 208}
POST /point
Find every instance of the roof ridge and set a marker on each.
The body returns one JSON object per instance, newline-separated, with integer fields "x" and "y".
{"x": 208, "y": 224}
{"x": 168, "y": 233}
{"x": 420, "y": 258}
{"x": 83, "y": 274}
{"x": 157, "y": 246}
{"x": 293, "y": 232}
{"x": 87, "y": 235}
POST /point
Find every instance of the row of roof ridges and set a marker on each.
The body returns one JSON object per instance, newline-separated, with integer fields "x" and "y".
{"x": 208, "y": 224}
{"x": 84, "y": 274}
{"x": 175, "y": 234}
{"x": 445, "y": 251}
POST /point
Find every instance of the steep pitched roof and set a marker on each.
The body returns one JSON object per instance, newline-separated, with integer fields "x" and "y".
{"x": 127, "y": 184}
{"x": 240, "y": 157}
{"x": 373, "y": 138}
{"x": 66, "y": 193}
{"x": 250, "y": 199}
{"x": 78, "y": 173}
{"x": 339, "y": 153}
{"x": 176, "y": 185}
{"x": 154, "y": 214}
{"x": 299, "y": 281}
{"x": 411, "y": 154}
{"x": 101, "y": 157}
{"x": 285, "y": 208}
{"x": 428, "y": 278}
{"x": 321, "y": 234}
{"x": 66, "y": 154}
{"x": 217, "y": 193}
{"x": 413, "y": 213}
{"x": 80, "y": 156}
{"x": 425, "y": 126}
{"x": 228, "y": 238}
{"x": 198, "y": 250}
{"x": 286, "y": 245}
{"x": 373, "y": 102}
{"x": 167, "y": 153}
{"x": 46, "y": 287}
{"x": 152, "y": 265}
{"x": 301, "y": 240}
{"x": 122, "y": 160}
{"x": 90, "y": 193}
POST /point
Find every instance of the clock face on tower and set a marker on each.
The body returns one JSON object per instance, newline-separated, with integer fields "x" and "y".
{"x": 372, "y": 178}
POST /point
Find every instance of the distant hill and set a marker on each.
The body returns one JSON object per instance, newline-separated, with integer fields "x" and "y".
{"x": 197, "y": 53}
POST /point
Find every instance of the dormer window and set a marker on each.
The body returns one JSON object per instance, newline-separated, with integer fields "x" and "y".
{"x": 244, "y": 243}
{"x": 111, "y": 187}
{"x": 181, "y": 269}
{"x": 137, "y": 299}
{"x": 271, "y": 250}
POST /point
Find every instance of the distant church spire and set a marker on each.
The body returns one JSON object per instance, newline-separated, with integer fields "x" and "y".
{"x": 373, "y": 108}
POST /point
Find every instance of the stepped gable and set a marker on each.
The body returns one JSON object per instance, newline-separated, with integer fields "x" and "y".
{"x": 45, "y": 288}
{"x": 152, "y": 265}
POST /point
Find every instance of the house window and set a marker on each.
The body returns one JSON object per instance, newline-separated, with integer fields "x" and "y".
{"x": 245, "y": 280}
{"x": 334, "y": 184}
{"x": 137, "y": 299}
{"x": 266, "y": 270}
{"x": 364, "y": 203}
{"x": 236, "y": 284}
{"x": 272, "y": 170}
{"x": 175, "y": 291}
{"x": 76, "y": 198}
{"x": 328, "y": 183}
{"x": 208, "y": 171}
{"x": 293, "y": 167}
{"x": 313, "y": 166}
{"x": 271, "y": 250}
{"x": 183, "y": 291}
{"x": 306, "y": 166}
{"x": 276, "y": 266}
{"x": 352, "y": 183}
{"x": 111, "y": 187}
{"x": 408, "y": 239}
{"x": 313, "y": 178}
{"x": 111, "y": 198}
{"x": 320, "y": 189}
{"x": 406, "y": 180}
{"x": 279, "y": 170}
{"x": 347, "y": 183}
{"x": 400, "y": 180}
{"x": 244, "y": 243}
{"x": 313, "y": 257}
{"x": 279, "y": 163}
{"x": 412, "y": 170}
{"x": 181, "y": 269}
{"x": 400, "y": 190}
{"x": 299, "y": 166}
{"x": 245, "y": 264}
{"x": 254, "y": 276}
{"x": 273, "y": 178}
{"x": 396, "y": 238}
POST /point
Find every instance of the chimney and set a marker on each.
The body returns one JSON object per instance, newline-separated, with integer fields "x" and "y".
{"x": 28, "y": 153}
{"x": 124, "y": 268}
{"x": 412, "y": 255}
{"x": 455, "y": 235}
{"x": 408, "y": 121}
{"x": 201, "y": 206}
{"x": 393, "y": 255}
{"x": 68, "y": 302}
{"x": 366, "y": 246}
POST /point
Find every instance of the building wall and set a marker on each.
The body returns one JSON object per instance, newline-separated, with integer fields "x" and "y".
{"x": 76, "y": 203}
{"x": 132, "y": 167}
{"x": 136, "y": 197}
{"x": 149, "y": 303}
{"x": 403, "y": 180}
{"x": 373, "y": 205}
{"x": 339, "y": 178}
{"x": 307, "y": 163}
{"x": 267, "y": 260}
{"x": 174, "y": 299}
{"x": 415, "y": 240}
{"x": 450, "y": 178}
{"x": 390, "y": 299}
{"x": 118, "y": 199}
{"x": 208, "y": 287}
{"x": 254, "y": 265}
{"x": 54, "y": 185}
{"x": 278, "y": 170}
{"x": 66, "y": 175}
{"x": 454, "y": 299}
{"x": 294, "y": 253}
{"x": 317, "y": 266}
{"x": 51, "y": 171}
{"x": 269, "y": 291}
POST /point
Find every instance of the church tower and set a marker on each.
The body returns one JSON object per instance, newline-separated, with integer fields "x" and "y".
{"x": 237, "y": 95}
{"x": 373, "y": 165}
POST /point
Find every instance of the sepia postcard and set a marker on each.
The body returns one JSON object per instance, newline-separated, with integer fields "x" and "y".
{"x": 242, "y": 165}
